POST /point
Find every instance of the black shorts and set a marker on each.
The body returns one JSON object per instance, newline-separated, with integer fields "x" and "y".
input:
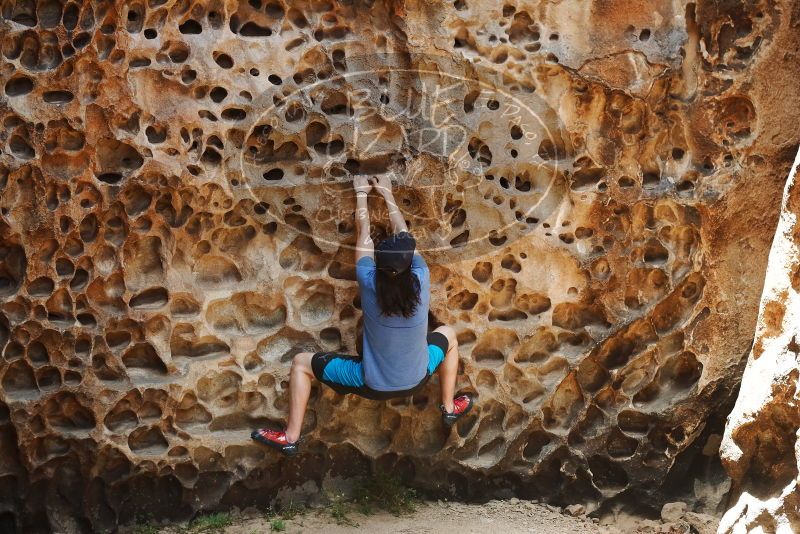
{"x": 437, "y": 348}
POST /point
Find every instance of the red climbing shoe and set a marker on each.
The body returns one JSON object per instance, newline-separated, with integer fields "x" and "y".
{"x": 276, "y": 440}
{"x": 461, "y": 405}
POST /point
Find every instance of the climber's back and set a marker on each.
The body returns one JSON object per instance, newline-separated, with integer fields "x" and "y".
{"x": 395, "y": 304}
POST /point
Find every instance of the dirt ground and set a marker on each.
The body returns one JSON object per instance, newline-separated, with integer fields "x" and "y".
{"x": 495, "y": 517}
{"x": 437, "y": 517}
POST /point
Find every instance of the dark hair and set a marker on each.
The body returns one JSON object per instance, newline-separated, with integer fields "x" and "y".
{"x": 398, "y": 294}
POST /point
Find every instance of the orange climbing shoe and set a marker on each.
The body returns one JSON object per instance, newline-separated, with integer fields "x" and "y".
{"x": 276, "y": 440}
{"x": 461, "y": 405}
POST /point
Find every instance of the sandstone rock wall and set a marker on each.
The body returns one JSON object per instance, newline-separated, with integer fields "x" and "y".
{"x": 759, "y": 448}
{"x": 594, "y": 184}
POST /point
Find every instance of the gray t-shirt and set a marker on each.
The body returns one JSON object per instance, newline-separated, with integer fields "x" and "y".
{"x": 395, "y": 347}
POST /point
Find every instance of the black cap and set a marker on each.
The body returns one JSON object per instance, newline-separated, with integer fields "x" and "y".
{"x": 394, "y": 254}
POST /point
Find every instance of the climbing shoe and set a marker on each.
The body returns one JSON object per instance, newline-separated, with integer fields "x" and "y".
{"x": 276, "y": 440}
{"x": 461, "y": 405}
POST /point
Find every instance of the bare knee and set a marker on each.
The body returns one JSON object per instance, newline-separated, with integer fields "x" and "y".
{"x": 450, "y": 334}
{"x": 301, "y": 363}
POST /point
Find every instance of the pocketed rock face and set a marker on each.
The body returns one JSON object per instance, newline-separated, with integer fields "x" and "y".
{"x": 759, "y": 448}
{"x": 177, "y": 224}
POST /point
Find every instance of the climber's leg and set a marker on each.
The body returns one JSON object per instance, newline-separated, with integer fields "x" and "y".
{"x": 448, "y": 369}
{"x": 341, "y": 372}
{"x": 452, "y": 408}
{"x": 299, "y": 392}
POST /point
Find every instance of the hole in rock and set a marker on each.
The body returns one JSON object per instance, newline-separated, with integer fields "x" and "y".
{"x": 633, "y": 422}
{"x": 18, "y": 377}
{"x": 607, "y": 474}
{"x": 147, "y": 441}
{"x": 585, "y": 179}
{"x": 492, "y": 447}
{"x": 486, "y": 379}
{"x": 218, "y": 94}
{"x": 464, "y": 300}
{"x": 178, "y": 52}
{"x": 621, "y": 446}
{"x": 234, "y": 114}
{"x": 58, "y": 97}
{"x": 273, "y": 174}
{"x": 488, "y": 355}
{"x": 374, "y": 165}
{"x": 551, "y": 150}
{"x": 120, "y": 419}
{"x": 20, "y": 147}
{"x": 489, "y": 349}
{"x": 537, "y": 441}
{"x": 156, "y": 134}
{"x": 681, "y": 371}
{"x": 497, "y": 240}
{"x": 190, "y": 27}
{"x": 143, "y": 356}
{"x": 118, "y": 339}
{"x": 479, "y": 151}
{"x": 48, "y": 378}
{"x": 251, "y": 29}
{"x": 150, "y": 299}
{"x": 64, "y": 411}
{"x": 37, "y": 353}
{"x": 13, "y": 350}
{"x": 219, "y": 386}
{"x": 655, "y": 253}
{"x": 41, "y": 287}
{"x": 319, "y": 307}
{"x": 651, "y": 179}
{"x": 19, "y": 86}
{"x": 191, "y": 414}
{"x": 466, "y": 425}
{"x": 591, "y": 376}
{"x": 331, "y": 338}
{"x": 223, "y": 60}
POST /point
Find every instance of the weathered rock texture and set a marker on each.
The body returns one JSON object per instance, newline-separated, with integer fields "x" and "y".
{"x": 177, "y": 223}
{"x": 759, "y": 448}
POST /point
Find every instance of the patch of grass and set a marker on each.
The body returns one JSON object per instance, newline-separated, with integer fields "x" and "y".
{"x": 144, "y": 525}
{"x": 291, "y": 510}
{"x": 339, "y": 508}
{"x": 211, "y": 523}
{"x": 145, "y": 528}
{"x": 278, "y": 517}
{"x": 384, "y": 491}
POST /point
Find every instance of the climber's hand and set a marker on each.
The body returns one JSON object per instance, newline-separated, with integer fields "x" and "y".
{"x": 382, "y": 183}
{"x": 361, "y": 183}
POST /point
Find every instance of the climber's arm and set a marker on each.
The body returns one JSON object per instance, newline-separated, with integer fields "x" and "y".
{"x": 364, "y": 245}
{"x": 384, "y": 186}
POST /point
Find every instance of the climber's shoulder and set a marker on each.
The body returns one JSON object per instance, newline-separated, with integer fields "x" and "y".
{"x": 365, "y": 270}
{"x": 366, "y": 262}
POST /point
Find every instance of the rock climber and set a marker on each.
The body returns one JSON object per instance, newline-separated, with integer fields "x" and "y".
{"x": 399, "y": 355}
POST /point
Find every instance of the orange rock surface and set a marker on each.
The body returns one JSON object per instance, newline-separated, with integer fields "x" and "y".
{"x": 594, "y": 184}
